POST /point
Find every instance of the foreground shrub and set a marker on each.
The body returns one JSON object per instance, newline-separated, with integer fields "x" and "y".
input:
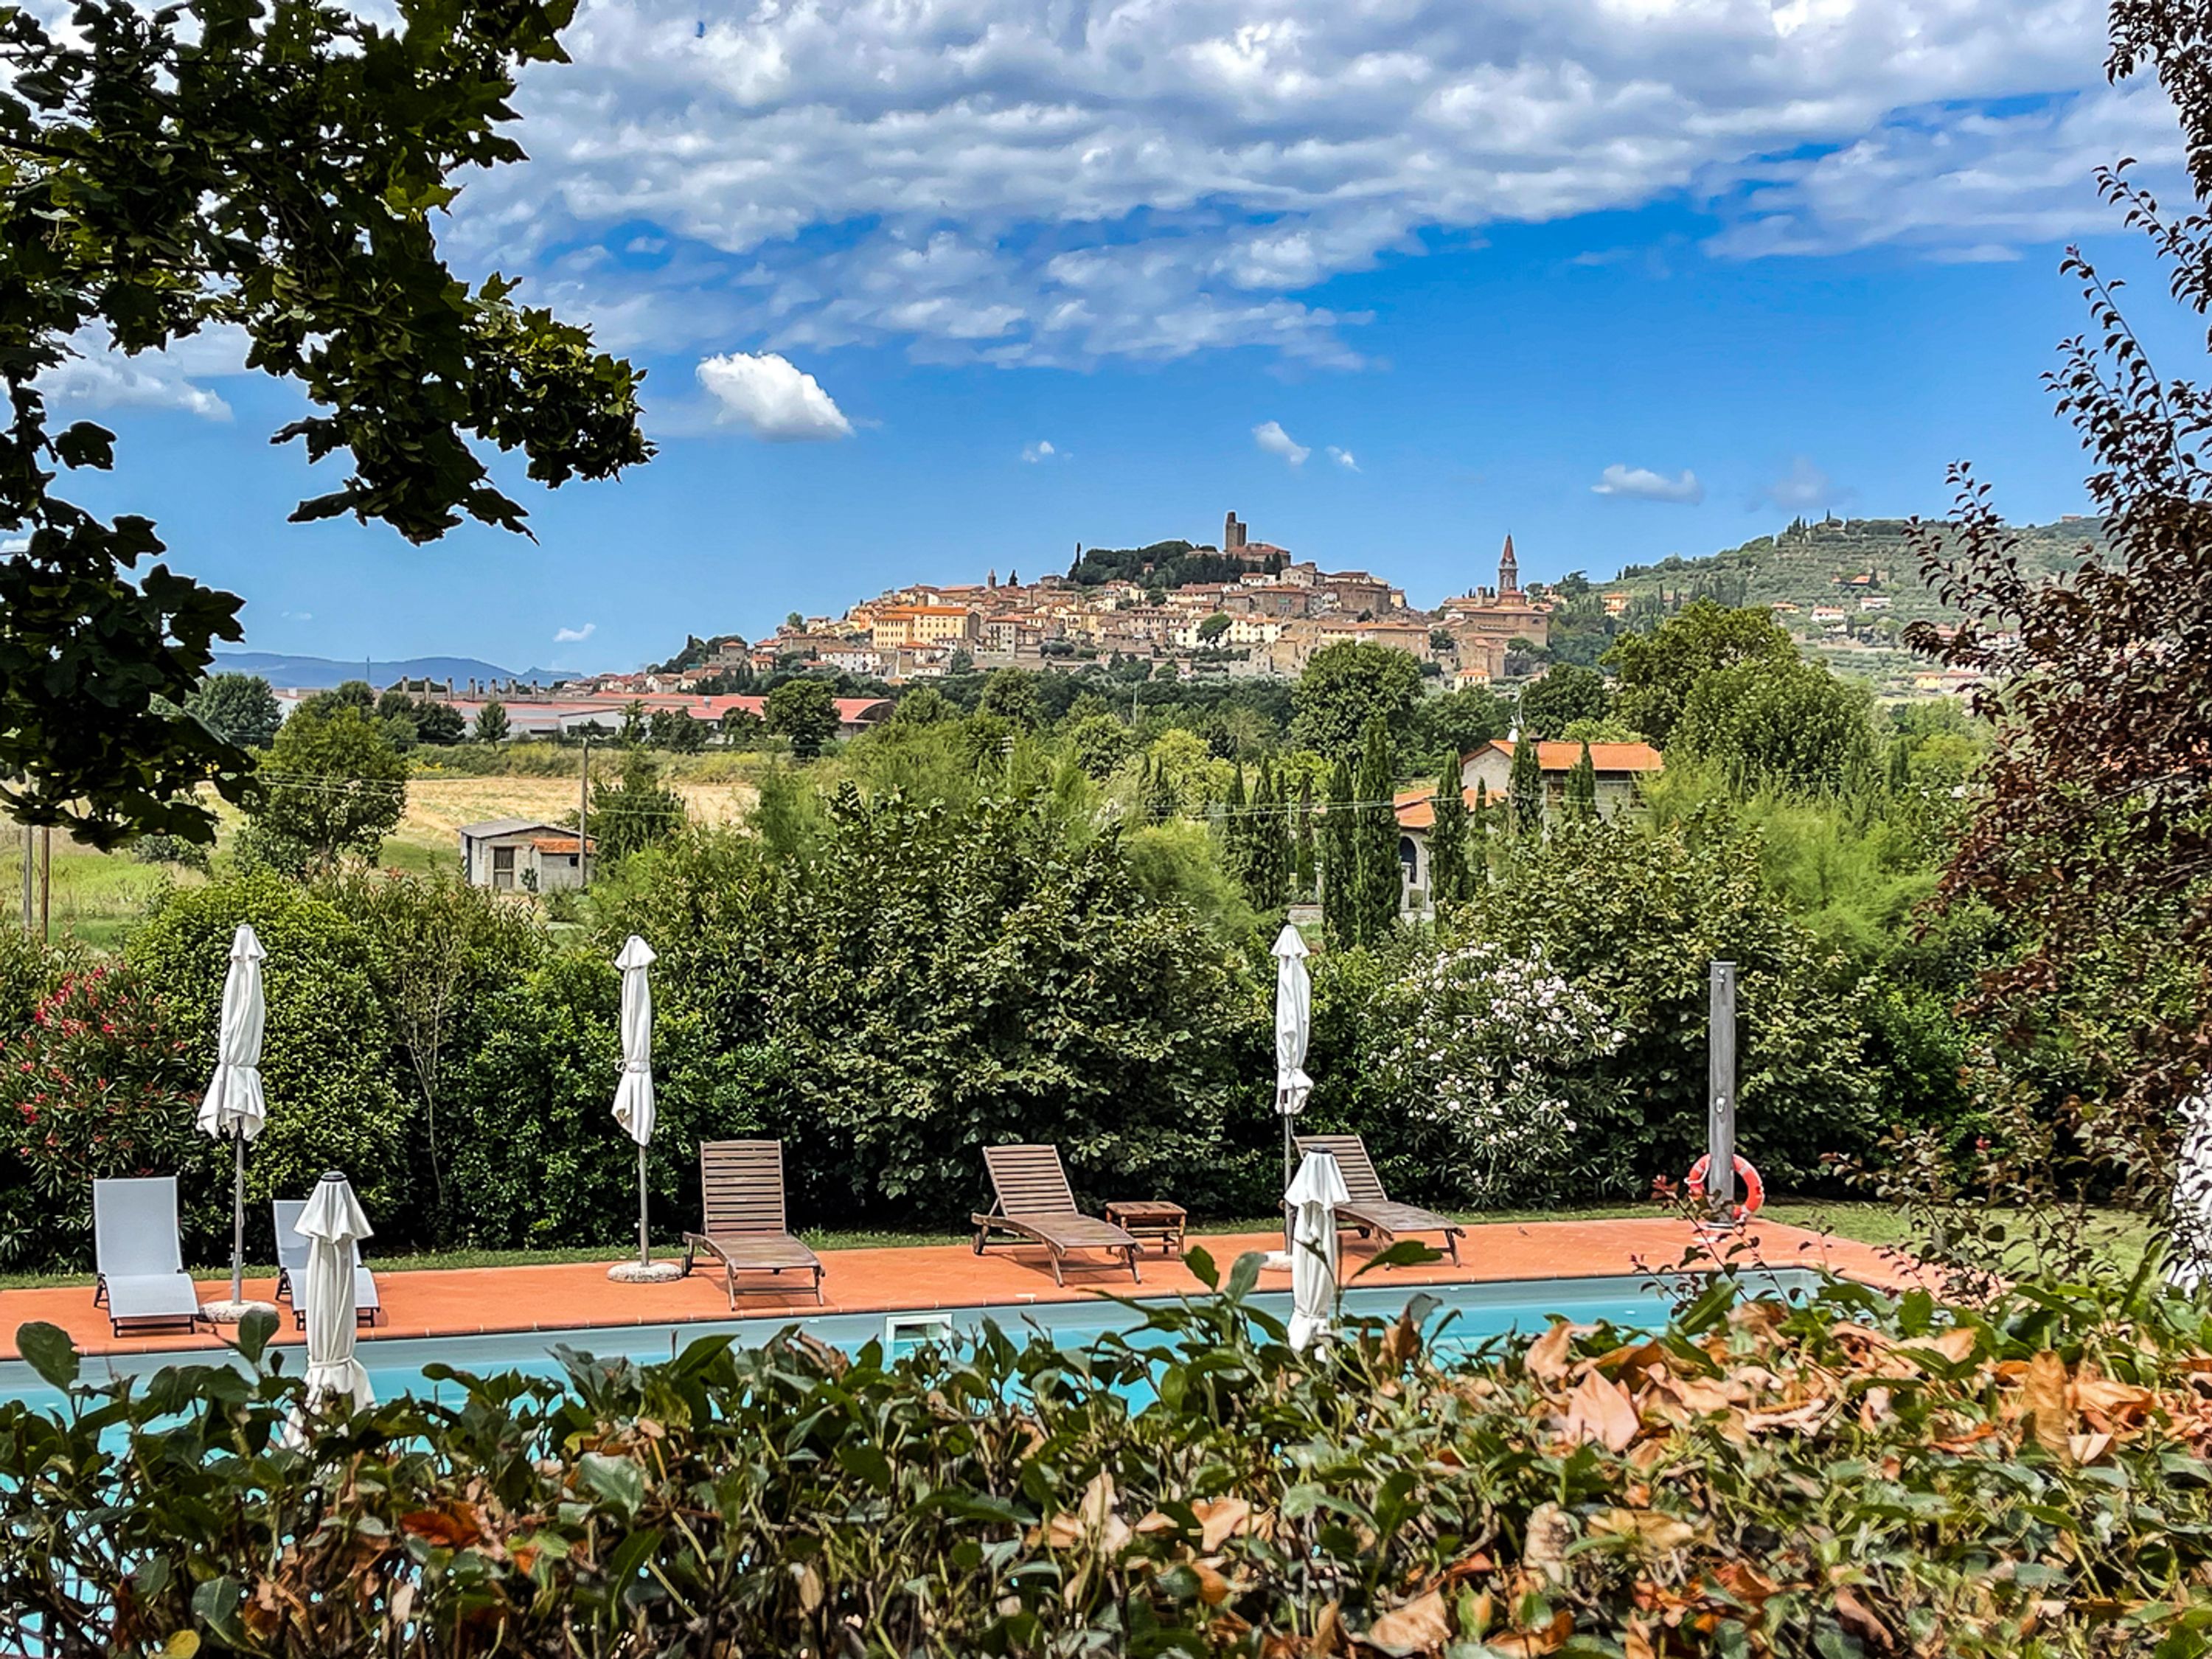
{"x": 326, "y": 1060}
{"x": 93, "y": 1087}
{"x": 1851, "y": 1477}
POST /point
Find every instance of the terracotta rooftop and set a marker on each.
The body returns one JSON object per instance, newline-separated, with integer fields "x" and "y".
{"x": 579, "y": 1296}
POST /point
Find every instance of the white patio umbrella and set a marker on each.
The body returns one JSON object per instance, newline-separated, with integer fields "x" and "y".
{"x": 633, "y": 1094}
{"x": 1293, "y": 1028}
{"x": 333, "y": 1226}
{"x": 234, "y": 1106}
{"x": 1312, "y": 1200}
{"x": 2189, "y": 1261}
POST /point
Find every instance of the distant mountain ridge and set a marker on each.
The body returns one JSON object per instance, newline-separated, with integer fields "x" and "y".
{"x": 317, "y": 673}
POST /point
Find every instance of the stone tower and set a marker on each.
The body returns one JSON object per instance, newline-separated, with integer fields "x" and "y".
{"x": 1232, "y": 533}
{"x": 1508, "y": 571}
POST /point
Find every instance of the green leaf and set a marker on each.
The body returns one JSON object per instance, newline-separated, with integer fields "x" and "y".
{"x": 1244, "y": 1275}
{"x": 215, "y": 1604}
{"x": 1406, "y": 1252}
{"x": 1201, "y": 1266}
{"x": 48, "y": 1350}
{"x": 86, "y": 445}
{"x": 254, "y": 1332}
{"x": 619, "y": 1480}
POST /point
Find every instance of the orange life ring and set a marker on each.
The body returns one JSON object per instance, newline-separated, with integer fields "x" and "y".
{"x": 1755, "y": 1190}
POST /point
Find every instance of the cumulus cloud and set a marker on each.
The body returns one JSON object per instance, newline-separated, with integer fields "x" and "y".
{"x": 574, "y": 635}
{"x": 1804, "y": 488}
{"x": 1271, "y": 437}
{"x": 772, "y": 399}
{"x": 1642, "y": 483}
{"x": 1343, "y": 458}
{"x": 985, "y": 181}
{"x": 297, "y": 616}
{"x": 98, "y": 377}
{"x": 1042, "y": 450}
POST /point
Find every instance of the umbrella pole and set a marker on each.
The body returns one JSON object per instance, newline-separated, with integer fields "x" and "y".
{"x": 238, "y": 1219}
{"x": 1286, "y": 1172}
{"x": 644, "y": 1237}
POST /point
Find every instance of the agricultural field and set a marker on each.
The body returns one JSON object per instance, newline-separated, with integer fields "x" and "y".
{"x": 97, "y": 895}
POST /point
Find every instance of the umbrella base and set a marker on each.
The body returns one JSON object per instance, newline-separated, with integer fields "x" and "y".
{"x": 646, "y": 1273}
{"x": 227, "y": 1312}
{"x": 1275, "y": 1261}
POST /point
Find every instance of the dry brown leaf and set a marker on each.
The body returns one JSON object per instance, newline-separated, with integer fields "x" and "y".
{"x": 1550, "y": 1532}
{"x": 1805, "y": 1417}
{"x": 1745, "y": 1584}
{"x": 1598, "y": 1410}
{"x": 1546, "y": 1358}
{"x": 1212, "y": 1588}
{"x": 2087, "y": 1448}
{"x": 1651, "y": 1529}
{"x": 1636, "y": 1642}
{"x": 2042, "y": 1397}
{"x": 1220, "y": 1519}
{"x": 2120, "y": 1405}
{"x": 1328, "y": 1636}
{"x": 1631, "y": 1364}
{"x": 1093, "y": 1517}
{"x": 810, "y": 1588}
{"x": 1856, "y": 1617}
{"x": 1402, "y": 1341}
{"x": 1760, "y": 1319}
{"x": 1416, "y": 1627}
{"x": 1526, "y": 1645}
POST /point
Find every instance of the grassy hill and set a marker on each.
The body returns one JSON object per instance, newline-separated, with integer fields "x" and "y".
{"x": 1813, "y": 563}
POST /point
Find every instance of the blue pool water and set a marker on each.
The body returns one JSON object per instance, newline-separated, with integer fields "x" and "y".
{"x": 1465, "y": 1316}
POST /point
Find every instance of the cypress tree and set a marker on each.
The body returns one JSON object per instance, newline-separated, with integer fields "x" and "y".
{"x": 1477, "y": 860}
{"x": 1236, "y": 832}
{"x": 1304, "y": 877}
{"x": 1340, "y": 892}
{"x": 1447, "y": 838}
{"x": 1380, "y": 877}
{"x": 1900, "y": 766}
{"x": 1271, "y": 844}
{"x": 1524, "y": 789}
{"x": 1582, "y": 788}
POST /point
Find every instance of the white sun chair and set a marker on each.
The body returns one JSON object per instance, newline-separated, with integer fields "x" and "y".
{"x": 291, "y": 1265}
{"x": 140, "y": 1262}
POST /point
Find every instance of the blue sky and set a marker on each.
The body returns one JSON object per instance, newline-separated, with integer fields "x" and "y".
{"x": 1624, "y": 277}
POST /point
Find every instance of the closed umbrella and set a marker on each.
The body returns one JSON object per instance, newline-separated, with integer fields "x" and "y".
{"x": 333, "y": 1226}
{"x": 1293, "y": 1027}
{"x": 2191, "y": 1254}
{"x": 234, "y": 1107}
{"x": 1312, "y": 1199}
{"x": 633, "y": 1095}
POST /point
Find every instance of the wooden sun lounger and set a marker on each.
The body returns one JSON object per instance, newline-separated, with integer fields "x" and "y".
{"x": 743, "y": 1226}
{"x": 1032, "y": 1201}
{"x": 1369, "y": 1209}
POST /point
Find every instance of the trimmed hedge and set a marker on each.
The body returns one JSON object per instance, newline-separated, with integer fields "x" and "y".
{"x": 1848, "y": 1476}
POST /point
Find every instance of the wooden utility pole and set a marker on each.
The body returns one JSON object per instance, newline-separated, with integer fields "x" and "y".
{"x": 47, "y": 884}
{"x": 584, "y": 820}
{"x": 1720, "y": 1076}
{"x": 28, "y": 866}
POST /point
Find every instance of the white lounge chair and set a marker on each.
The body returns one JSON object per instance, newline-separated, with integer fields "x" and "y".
{"x": 292, "y": 1267}
{"x": 135, "y": 1249}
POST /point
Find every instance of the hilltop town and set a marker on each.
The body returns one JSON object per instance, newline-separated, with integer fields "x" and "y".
{"x": 1237, "y": 609}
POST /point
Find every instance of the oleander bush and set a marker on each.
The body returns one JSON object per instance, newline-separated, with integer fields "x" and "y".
{"x": 1850, "y": 1476}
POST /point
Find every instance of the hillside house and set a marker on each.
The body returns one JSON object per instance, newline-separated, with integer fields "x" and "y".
{"x": 527, "y": 855}
{"x": 1620, "y": 768}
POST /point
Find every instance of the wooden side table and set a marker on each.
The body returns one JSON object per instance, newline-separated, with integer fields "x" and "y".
{"x": 1150, "y": 1218}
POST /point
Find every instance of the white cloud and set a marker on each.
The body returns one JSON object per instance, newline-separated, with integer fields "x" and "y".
{"x": 1804, "y": 488}
{"x": 1343, "y": 458}
{"x": 16, "y": 544}
{"x": 994, "y": 181}
{"x": 772, "y": 399}
{"x": 574, "y": 635}
{"x": 1271, "y": 437}
{"x": 1042, "y": 450}
{"x": 297, "y": 616}
{"x": 1643, "y": 484}
{"x": 100, "y": 377}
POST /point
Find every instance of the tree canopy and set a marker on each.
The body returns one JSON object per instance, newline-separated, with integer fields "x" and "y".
{"x": 1346, "y": 685}
{"x": 1656, "y": 672}
{"x": 266, "y": 174}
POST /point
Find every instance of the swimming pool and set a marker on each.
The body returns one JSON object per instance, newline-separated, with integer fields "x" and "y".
{"x": 1465, "y": 1316}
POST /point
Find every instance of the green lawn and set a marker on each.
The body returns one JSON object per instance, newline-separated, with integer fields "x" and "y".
{"x": 1879, "y": 1224}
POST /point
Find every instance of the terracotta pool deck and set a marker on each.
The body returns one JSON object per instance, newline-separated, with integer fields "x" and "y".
{"x": 578, "y": 1295}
